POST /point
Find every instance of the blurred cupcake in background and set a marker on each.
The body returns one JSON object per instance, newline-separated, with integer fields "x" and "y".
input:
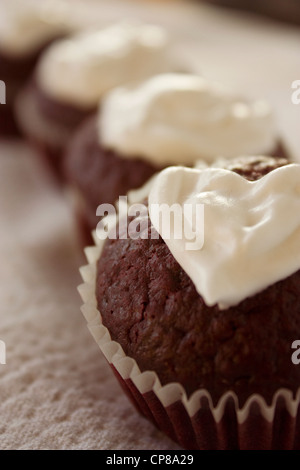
{"x": 26, "y": 28}
{"x": 73, "y": 75}
{"x": 169, "y": 119}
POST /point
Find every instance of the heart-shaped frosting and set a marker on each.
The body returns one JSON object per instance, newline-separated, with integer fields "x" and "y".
{"x": 251, "y": 229}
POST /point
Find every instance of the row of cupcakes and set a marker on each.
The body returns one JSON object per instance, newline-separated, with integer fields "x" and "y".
{"x": 200, "y": 340}
{"x": 98, "y": 92}
{"x": 74, "y": 75}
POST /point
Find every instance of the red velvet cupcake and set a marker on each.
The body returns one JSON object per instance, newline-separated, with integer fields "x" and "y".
{"x": 75, "y": 73}
{"x": 26, "y": 28}
{"x": 201, "y": 337}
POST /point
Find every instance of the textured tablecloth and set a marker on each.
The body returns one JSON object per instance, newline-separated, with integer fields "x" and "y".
{"x": 56, "y": 391}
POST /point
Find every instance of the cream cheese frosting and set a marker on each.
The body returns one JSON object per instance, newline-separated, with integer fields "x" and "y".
{"x": 25, "y": 26}
{"x": 96, "y": 61}
{"x": 180, "y": 118}
{"x": 251, "y": 230}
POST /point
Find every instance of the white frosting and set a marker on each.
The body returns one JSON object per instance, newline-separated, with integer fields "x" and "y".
{"x": 26, "y": 25}
{"x": 94, "y": 62}
{"x": 177, "y": 118}
{"x": 251, "y": 229}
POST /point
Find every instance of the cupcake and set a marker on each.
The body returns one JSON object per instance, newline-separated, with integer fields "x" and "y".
{"x": 73, "y": 74}
{"x": 169, "y": 119}
{"x": 26, "y": 28}
{"x": 199, "y": 331}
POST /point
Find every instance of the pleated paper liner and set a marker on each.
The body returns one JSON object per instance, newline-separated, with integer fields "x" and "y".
{"x": 194, "y": 423}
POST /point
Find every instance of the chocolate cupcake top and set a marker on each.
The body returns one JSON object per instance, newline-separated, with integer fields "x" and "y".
{"x": 96, "y": 61}
{"x": 179, "y": 118}
{"x": 26, "y": 26}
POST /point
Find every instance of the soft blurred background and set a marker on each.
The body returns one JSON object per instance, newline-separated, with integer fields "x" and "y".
{"x": 56, "y": 391}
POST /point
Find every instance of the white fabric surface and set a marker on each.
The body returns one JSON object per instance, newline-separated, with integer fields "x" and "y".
{"x": 56, "y": 390}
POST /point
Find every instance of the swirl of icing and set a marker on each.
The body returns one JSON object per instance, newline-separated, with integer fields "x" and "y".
{"x": 96, "y": 61}
{"x": 180, "y": 118}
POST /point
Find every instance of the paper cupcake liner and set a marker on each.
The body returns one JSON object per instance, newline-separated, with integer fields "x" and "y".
{"x": 195, "y": 423}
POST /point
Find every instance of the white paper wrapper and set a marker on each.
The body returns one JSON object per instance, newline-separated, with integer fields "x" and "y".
{"x": 195, "y": 423}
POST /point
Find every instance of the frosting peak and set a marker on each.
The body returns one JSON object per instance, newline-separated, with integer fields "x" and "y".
{"x": 251, "y": 229}
{"x": 96, "y": 61}
{"x": 180, "y": 118}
